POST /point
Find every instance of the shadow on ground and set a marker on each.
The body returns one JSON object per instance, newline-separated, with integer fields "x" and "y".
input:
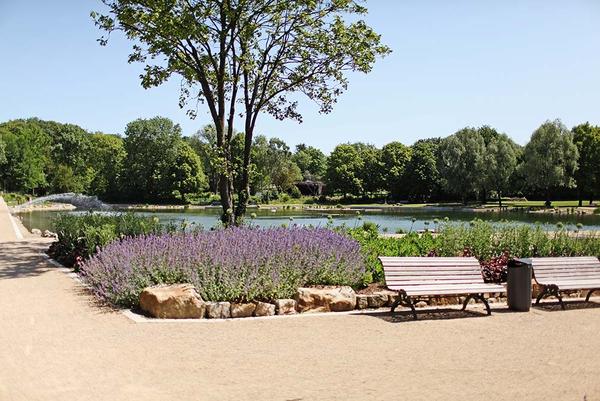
{"x": 22, "y": 259}
{"x": 554, "y": 306}
{"x": 431, "y": 314}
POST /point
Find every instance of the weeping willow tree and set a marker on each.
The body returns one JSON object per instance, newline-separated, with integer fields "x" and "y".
{"x": 245, "y": 58}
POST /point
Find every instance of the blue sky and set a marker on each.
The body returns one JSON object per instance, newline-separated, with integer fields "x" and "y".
{"x": 510, "y": 64}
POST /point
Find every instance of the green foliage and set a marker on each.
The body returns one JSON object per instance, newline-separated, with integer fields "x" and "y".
{"x": 13, "y": 199}
{"x": 394, "y": 159}
{"x": 550, "y": 158}
{"x": 311, "y": 161}
{"x": 26, "y": 153}
{"x": 107, "y": 155}
{"x": 500, "y": 160}
{"x": 161, "y": 162}
{"x": 81, "y": 235}
{"x": 461, "y": 162}
{"x": 483, "y": 240}
{"x": 344, "y": 170}
{"x": 421, "y": 170}
{"x": 186, "y": 175}
{"x": 273, "y": 165}
{"x": 3, "y": 159}
{"x": 587, "y": 139}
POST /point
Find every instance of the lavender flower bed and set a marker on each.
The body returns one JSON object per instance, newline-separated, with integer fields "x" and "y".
{"x": 238, "y": 264}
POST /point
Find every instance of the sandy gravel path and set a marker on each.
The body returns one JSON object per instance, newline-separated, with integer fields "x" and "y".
{"x": 55, "y": 344}
{"x": 8, "y": 228}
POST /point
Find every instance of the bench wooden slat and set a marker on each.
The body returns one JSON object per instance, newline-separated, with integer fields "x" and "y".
{"x": 589, "y": 283}
{"x": 434, "y": 273}
{"x": 432, "y": 282}
{"x": 439, "y": 268}
{"x": 563, "y": 273}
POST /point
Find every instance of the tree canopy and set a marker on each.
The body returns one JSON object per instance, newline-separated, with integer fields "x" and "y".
{"x": 249, "y": 53}
{"x": 587, "y": 139}
{"x": 550, "y": 158}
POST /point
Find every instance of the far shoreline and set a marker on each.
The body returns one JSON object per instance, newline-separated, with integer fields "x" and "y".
{"x": 534, "y": 209}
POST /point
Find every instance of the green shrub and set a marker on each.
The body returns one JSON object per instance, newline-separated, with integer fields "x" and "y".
{"x": 295, "y": 193}
{"x": 13, "y": 198}
{"x": 81, "y": 235}
{"x": 483, "y": 240}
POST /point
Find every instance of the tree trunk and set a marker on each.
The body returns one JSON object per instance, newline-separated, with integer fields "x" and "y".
{"x": 499, "y": 198}
{"x": 244, "y": 190}
{"x": 579, "y": 197}
{"x": 548, "y": 200}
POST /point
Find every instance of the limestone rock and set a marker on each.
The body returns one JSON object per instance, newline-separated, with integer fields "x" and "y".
{"x": 218, "y": 310}
{"x": 264, "y": 309}
{"x": 377, "y": 300}
{"x": 49, "y": 234}
{"x": 178, "y": 301}
{"x": 242, "y": 310}
{"x": 285, "y": 306}
{"x": 362, "y": 301}
{"x": 421, "y": 304}
{"x": 326, "y": 299}
{"x": 36, "y": 231}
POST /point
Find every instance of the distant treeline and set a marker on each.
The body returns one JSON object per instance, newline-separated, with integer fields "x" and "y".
{"x": 154, "y": 162}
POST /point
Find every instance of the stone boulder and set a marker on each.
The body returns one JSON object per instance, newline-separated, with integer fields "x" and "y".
{"x": 377, "y": 300}
{"x": 218, "y": 310}
{"x": 178, "y": 301}
{"x": 242, "y": 310}
{"x": 285, "y": 306}
{"x": 36, "y": 231}
{"x": 336, "y": 299}
{"x": 49, "y": 234}
{"x": 264, "y": 309}
{"x": 362, "y": 301}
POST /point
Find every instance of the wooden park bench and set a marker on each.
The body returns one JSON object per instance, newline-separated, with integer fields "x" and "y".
{"x": 565, "y": 273}
{"x": 418, "y": 277}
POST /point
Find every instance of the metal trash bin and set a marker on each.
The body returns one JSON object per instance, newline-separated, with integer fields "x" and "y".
{"x": 518, "y": 286}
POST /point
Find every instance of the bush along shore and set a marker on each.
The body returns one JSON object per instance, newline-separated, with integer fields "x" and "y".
{"x": 166, "y": 271}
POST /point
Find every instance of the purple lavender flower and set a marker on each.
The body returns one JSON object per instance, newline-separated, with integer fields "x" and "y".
{"x": 237, "y": 264}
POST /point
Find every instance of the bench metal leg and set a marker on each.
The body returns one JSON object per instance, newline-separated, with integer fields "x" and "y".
{"x": 405, "y": 301}
{"x": 477, "y": 297}
{"x": 551, "y": 290}
{"x": 467, "y": 299}
{"x": 587, "y": 298}
{"x": 485, "y": 302}
{"x": 541, "y": 295}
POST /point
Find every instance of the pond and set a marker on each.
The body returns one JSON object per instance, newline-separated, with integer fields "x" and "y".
{"x": 388, "y": 220}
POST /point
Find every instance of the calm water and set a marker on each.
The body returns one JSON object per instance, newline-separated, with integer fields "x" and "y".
{"x": 388, "y": 220}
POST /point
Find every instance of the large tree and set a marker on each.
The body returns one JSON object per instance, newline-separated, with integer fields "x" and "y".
{"x": 26, "y": 154}
{"x": 107, "y": 156}
{"x": 422, "y": 176}
{"x": 185, "y": 173}
{"x": 151, "y": 146}
{"x": 550, "y": 158}
{"x": 394, "y": 158}
{"x": 500, "y": 162}
{"x": 253, "y": 53}
{"x": 371, "y": 172}
{"x": 344, "y": 170}
{"x": 587, "y": 139}
{"x": 311, "y": 161}
{"x": 461, "y": 162}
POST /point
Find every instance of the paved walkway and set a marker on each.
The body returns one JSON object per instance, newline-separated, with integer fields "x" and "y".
{"x": 7, "y": 227}
{"x": 56, "y": 344}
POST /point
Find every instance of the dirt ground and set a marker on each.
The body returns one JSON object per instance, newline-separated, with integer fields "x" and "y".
{"x": 56, "y": 344}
